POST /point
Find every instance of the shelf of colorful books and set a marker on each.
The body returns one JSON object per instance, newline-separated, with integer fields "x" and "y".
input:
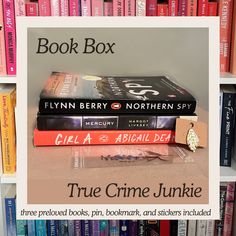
{"x": 8, "y": 179}
{"x": 228, "y": 78}
{"x": 228, "y": 173}
{"x": 8, "y": 80}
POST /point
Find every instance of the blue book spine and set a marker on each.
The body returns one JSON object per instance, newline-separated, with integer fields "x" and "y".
{"x": 53, "y": 228}
{"x": 85, "y": 228}
{"x": 63, "y": 227}
{"x": 40, "y": 226}
{"x": 10, "y": 208}
{"x": 21, "y": 227}
{"x": 124, "y": 227}
{"x": 71, "y": 227}
{"x": 31, "y": 227}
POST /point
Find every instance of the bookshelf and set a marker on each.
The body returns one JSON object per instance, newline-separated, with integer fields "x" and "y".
{"x": 227, "y": 173}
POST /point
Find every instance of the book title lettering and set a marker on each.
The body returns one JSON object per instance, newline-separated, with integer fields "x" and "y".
{"x": 90, "y": 46}
{"x": 114, "y": 190}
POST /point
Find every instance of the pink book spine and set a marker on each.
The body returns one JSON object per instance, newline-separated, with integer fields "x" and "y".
{"x": 97, "y": 7}
{"x": 86, "y": 8}
{"x": 162, "y": 9}
{"x": 10, "y": 36}
{"x": 202, "y": 7}
{"x": 3, "y": 66}
{"x": 64, "y": 7}
{"x": 140, "y": 7}
{"x": 55, "y": 7}
{"x": 151, "y": 7}
{"x": 192, "y": 8}
{"x": 173, "y": 7}
{"x": 118, "y": 8}
{"x": 44, "y": 7}
{"x": 31, "y": 8}
{"x": 74, "y": 8}
{"x": 183, "y": 7}
{"x": 108, "y": 9}
{"x": 129, "y": 7}
{"x": 20, "y": 7}
{"x": 229, "y": 207}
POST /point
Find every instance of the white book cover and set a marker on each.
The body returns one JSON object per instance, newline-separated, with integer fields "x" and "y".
{"x": 182, "y": 227}
{"x": 192, "y": 226}
{"x": 201, "y": 227}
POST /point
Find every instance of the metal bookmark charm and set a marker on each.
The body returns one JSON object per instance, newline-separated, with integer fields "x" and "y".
{"x": 192, "y": 139}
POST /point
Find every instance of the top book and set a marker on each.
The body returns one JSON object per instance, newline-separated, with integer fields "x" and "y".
{"x": 67, "y": 93}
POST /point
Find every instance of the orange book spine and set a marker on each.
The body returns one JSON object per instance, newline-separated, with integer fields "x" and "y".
{"x": 225, "y": 13}
{"x": 102, "y": 137}
{"x": 7, "y": 117}
{"x": 233, "y": 46}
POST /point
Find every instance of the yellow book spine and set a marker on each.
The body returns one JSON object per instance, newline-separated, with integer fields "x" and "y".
{"x": 8, "y": 135}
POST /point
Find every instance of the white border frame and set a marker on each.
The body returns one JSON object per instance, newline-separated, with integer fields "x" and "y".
{"x": 212, "y": 23}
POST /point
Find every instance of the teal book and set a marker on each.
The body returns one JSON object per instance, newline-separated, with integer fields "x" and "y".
{"x": 40, "y": 226}
{"x": 21, "y": 227}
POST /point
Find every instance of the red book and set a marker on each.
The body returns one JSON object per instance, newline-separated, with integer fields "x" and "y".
{"x": 129, "y": 7}
{"x": 164, "y": 227}
{"x": 233, "y": 46}
{"x": 162, "y": 9}
{"x": 74, "y": 8}
{"x": 202, "y": 8}
{"x": 108, "y": 8}
{"x": 151, "y": 8}
{"x": 10, "y": 35}
{"x": 118, "y": 8}
{"x": 212, "y": 8}
{"x": 31, "y": 9}
{"x": 225, "y": 13}
{"x": 44, "y": 7}
{"x": 64, "y": 7}
{"x": 102, "y": 137}
{"x": 97, "y": 7}
{"x": 3, "y": 67}
{"x": 192, "y": 8}
{"x": 173, "y": 7}
{"x": 182, "y": 8}
{"x": 229, "y": 207}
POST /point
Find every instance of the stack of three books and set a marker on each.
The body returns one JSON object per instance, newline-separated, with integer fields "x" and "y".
{"x": 90, "y": 110}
